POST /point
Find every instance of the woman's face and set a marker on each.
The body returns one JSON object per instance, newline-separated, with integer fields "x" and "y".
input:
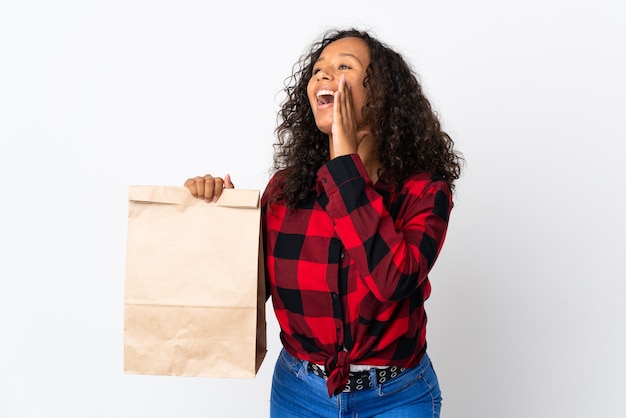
{"x": 349, "y": 56}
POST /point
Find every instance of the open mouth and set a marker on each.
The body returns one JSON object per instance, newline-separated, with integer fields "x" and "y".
{"x": 325, "y": 97}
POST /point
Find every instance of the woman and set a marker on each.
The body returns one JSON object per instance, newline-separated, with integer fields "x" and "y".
{"x": 354, "y": 218}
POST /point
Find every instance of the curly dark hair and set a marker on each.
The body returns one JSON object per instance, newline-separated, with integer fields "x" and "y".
{"x": 400, "y": 116}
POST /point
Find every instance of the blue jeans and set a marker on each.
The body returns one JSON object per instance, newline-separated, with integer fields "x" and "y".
{"x": 297, "y": 392}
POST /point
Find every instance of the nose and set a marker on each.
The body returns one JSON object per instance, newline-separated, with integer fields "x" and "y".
{"x": 322, "y": 74}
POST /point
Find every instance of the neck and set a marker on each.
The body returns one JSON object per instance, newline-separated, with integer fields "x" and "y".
{"x": 368, "y": 151}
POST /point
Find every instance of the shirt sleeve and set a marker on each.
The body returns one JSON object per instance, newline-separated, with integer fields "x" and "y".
{"x": 393, "y": 256}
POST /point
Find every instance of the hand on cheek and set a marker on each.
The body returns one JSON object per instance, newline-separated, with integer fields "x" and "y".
{"x": 343, "y": 138}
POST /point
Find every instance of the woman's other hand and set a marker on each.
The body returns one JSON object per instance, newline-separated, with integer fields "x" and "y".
{"x": 208, "y": 187}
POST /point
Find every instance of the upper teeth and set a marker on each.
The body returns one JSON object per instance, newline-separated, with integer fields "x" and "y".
{"x": 325, "y": 93}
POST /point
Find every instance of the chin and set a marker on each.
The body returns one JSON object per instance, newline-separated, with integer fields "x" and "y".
{"x": 325, "y": 127}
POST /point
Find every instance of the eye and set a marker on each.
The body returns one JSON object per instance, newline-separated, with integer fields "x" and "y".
{"x": 344, "y": 67}
{"x": 316, "y": 70}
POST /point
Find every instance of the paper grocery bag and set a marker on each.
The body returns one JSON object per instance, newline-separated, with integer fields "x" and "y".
{"x": 194, "y": 300}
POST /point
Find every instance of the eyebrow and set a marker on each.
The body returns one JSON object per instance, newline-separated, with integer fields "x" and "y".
{"x": 342, "y": 54}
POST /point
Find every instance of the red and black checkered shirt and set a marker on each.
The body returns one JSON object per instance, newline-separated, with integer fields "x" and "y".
{"x": 347, "y": 268}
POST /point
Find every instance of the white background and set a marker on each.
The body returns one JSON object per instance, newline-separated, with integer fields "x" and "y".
{"x": 527, "y": 314}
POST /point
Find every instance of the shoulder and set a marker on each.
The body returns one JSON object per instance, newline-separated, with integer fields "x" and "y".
{"x": 274, "y": 184}
{"x": 277, "y": 179}
{"x": 429, "y": 192}
{"x": 421, "y": 184}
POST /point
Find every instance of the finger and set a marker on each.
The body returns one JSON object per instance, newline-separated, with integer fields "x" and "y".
{"x": 345, "y": 109}
{"x": 337, "y": 104}
{"x": 190, "y": 184}
{"x": 196, "y": 186}
{"x": 204, "y": 187}
{"x": 338, "y": 110}
{"x": 228, "y": 184}
{"x": 347, "y": 101}
{"x": 214, "y": 189}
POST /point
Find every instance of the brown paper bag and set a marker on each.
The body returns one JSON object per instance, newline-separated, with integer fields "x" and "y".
{"x": 194, "y": 301}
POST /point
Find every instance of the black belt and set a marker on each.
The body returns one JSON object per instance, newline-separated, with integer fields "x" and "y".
{"x": 361, "y": 380}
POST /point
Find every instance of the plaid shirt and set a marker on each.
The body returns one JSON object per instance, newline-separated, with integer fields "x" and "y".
{"x": 348, "y": 268}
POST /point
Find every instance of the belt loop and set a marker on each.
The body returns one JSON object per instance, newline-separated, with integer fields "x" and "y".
{"x": 374, "y": 377}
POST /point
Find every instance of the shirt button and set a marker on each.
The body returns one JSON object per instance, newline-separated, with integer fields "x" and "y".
{"x": 324, "y": 180}
{"x": 342, "y": 254}
{"x": 335, "y": 296}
